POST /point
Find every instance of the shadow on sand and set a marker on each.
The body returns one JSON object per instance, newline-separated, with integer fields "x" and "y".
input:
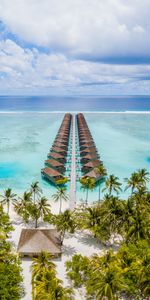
{"x": 68, "y": 250}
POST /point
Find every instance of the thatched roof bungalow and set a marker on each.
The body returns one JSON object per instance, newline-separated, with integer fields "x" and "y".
{"x": 93, "y": 174}
{"x": 33, "y": 241}
{"x": 57, "y": 156}
{"x": 51, "y": 174}
{"x": 91, "y": 165}
{"x": 59, "y": 150}
{"x": 52, "y": 163}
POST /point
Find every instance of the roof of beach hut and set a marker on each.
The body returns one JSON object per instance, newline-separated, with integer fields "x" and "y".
{"x": 33, "y": 241}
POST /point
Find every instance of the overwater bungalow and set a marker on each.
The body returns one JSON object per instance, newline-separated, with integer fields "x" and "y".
{"x": 89, "y": 157}
{"x": 55, "y": 164}
{"x": 91, "y": 165}
{"x": 57, "y": 156}
{"x": 52, "y": 163}
{"x": 62, "y": 136}
{"x": 88, "y": 150}
{"x": 51, "y": 174}
{"x": 59, "y": 150}
{"x": 87, "y": 145}
{"x": 94, "y": 175}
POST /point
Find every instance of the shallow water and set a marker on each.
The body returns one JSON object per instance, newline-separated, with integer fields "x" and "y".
{"x": 123, "y": 141}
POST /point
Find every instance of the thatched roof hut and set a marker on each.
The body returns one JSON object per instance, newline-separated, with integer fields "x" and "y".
{"x": 33, "y": 241}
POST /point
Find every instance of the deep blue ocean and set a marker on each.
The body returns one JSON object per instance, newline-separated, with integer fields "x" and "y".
{"x": 87, "y": 103}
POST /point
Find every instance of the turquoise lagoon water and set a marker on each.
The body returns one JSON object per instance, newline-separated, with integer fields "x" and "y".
{"x": 122, "y": 139}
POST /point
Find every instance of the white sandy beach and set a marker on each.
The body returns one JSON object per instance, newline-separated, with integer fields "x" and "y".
{"x": 80, "y": 242}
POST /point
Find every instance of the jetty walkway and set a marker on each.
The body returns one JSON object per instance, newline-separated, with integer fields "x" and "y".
{"x": 73, "y": 149}
{"x": 73, "y": 166}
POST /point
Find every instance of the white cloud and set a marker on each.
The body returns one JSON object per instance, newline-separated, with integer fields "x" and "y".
{"x": 29, "y": 70}
{"x": 79, "y": 27}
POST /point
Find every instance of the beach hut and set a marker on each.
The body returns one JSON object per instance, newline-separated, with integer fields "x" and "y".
{"x": 33, "y": 241}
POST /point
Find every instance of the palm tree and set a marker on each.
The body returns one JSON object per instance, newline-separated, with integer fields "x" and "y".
{"x": 50, "y": 288}
{"x": 88, "y": 183}
{"x": 65, "y": 222}
{"x": 100, "y": 170}
{"x": 134, "y": 182}
{"x": 8, "y": 197}
{"x": 138, "y": 226}
{"x": 144, "y": 175}
{"x": 113, "y": 213}
{"x": 40, "y": 266}
{"x": 35, "y": 190}
{"x": 59, "y": 196}
{"x": 93, "y": 219}
{"x": 22, "y": 205}
{"x": 44, "y": 206}
{"x": 34, "y": 212}
{"x": 112, "y": 184}
{"x": 108, "y": 284}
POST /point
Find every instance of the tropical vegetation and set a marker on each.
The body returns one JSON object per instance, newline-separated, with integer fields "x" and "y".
{"x": 11, "y": 279}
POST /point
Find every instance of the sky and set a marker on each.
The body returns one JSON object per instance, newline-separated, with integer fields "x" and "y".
{"x": 92, "y": 47}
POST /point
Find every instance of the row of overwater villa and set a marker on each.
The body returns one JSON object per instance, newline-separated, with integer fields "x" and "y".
{"x": 56, "y": 165}
{"x": 89, "y": 156}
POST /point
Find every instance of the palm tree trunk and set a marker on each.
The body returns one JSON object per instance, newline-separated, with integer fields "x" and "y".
{"x": 132, "y": 190}
{"x": 34, "y": 198}
{"x": 36, "y": 223}
{"x": 60, "y": 206}
{"x": 99, "y": 197}
{"x": 86, "y": 200}
{"x": 7, "y": 207}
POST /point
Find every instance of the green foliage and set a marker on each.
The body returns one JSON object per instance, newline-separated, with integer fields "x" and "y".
{"x": 112, "y": 185}
{"x": 64, "y": 222}
{"x": 60, "y": 196}
{"x": 26, "y": 207}
{"x": 45, "y": 284}
{"x": 114, "y": 274}
{"x": 88, "y": 183}
{"x": 78, "y": 269}
{"x": 10, "y": 270}
{"x": 62, "y": 181}
{"x": 102, "y": 172}
{"x": 7, "y": 198}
